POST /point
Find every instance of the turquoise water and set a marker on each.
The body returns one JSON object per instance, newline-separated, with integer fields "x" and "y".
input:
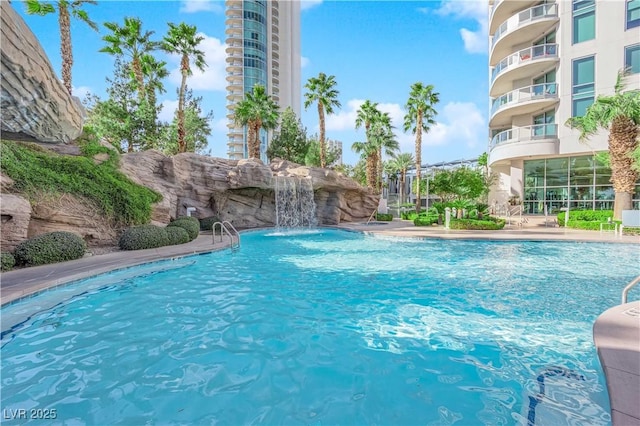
{"x": 324, "y": 327}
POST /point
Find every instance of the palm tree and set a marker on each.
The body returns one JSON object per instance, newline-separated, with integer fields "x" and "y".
{"x": 367, "y": 114}
{"x": 401, "y": 162}
{"x": 154, "y": 72}
{"x": 65, "y": 10}
{"x": 420, "y": 116}
{"x": 382, "y": 137}
{"x": 183, "y": 40}
{"x": 368, "y": 152}
{"x": 322, "y": 90}
{"x": 256, "y": 111}
{"x": 130, "y": 41}
{"x": 620, "y": 114}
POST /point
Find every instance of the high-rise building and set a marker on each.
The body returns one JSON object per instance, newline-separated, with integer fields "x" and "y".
{"x": 548, "y": 61}
{"x": 263, "y": 47}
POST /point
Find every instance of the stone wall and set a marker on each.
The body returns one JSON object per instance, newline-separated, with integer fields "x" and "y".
{"x": 35, "y": 103}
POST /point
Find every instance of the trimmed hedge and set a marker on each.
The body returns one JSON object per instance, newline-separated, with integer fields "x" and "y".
{"x": 191, "y": 226}
{"x": 206, "y": 224}
{"x": 143, "y": 237}
{"x": 190, "y": 218}
{"x": 177, "y": 235}
{"x": 8, "y": 261}
{"x": 384, "y": 217}
{"x": 491, "y": 224}
{"x": 50, "y": 248}
{"x": 425, "y": 220}
{"x": 586, "y": 216}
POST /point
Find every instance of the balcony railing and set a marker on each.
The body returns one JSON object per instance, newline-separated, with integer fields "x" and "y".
{"x": 549, "y": 10}
{"x": 523, "y": 56}
{"x": 524, "y": 134}
{"x": 525, "y": 94}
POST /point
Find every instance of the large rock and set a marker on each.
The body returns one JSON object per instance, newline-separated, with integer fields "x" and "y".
{"x": 69, "y": 213}
{"x": 15, "y": 212}
{"x": 34, "y": 102}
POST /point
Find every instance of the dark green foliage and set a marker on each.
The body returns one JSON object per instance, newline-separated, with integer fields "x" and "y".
{"x": 115, "y": 194}
{"x": 143, "y": 237}
{"x": 488, "y": 224}
{"x": 425, "y": 220}
{"x": 192, "y": 227}
{"x": 627, "y": 230}
{"x": 206, "y": 224}
{"x": 291, "y": 142}
{"x": 191, "y": 218}
{"x": 7, "y": 262}
{"x": 177, "y": 235}
{"x": 596, "y": 216}
{"x": 50, "y": 248}
{"x": 384, "y": 217}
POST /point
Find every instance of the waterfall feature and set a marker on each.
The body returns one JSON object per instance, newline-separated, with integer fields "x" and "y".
{"x": 295, "y": 207}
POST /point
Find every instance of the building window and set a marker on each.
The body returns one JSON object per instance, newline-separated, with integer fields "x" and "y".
{"x": 633, "y": 13}
{"x": 584, "y": 20}
{"x": 632, "y": 58}
{"x": 583, "y": 87}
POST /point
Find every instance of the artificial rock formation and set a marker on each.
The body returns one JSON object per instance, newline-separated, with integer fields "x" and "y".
{"x": 241, "y": 192}
{"x": 15, "y": 212}
{"x": 34, "y": 102}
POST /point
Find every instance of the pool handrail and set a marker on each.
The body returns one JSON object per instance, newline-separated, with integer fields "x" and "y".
{"x": 373, "y": 213}
{"x": 224, "y": 228}
{"x": 625, "y": 291}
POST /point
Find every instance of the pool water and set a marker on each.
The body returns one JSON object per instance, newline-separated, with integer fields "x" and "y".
{"x": 324, "y": 327}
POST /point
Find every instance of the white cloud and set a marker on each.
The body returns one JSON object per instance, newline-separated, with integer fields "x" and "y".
{"x": 81, "y": 92}
{"x": 195, "y": 6}
{"x": 168, "y": 111}
{"x": 474, "y": 41}
{"x": 459, "y": 123}
{"x": 345, "y": 119}
{"x": 304, "y": 61}
{"x": 220, "y": 125}
{"x": 308, "y": 4}
{"x": 214, "y": 76}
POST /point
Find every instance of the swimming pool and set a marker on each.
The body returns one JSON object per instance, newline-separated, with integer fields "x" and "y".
{"x": 324, "y": 327}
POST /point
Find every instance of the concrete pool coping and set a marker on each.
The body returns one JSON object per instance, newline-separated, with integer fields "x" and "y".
{"x": 616, "y": 334}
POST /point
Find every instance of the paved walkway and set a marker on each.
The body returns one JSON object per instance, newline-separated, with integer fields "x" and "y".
{"x": 616, "y": 332}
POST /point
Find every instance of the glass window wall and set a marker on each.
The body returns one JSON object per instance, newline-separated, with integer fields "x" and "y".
{"x": 583, "y": 90}
{"x": 584, "y": 20}
{"x": 633, "y": 13}
{"x": 632, "y": 58}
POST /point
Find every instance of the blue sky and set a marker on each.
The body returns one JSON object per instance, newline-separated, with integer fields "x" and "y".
{"x": 375, "y": 50}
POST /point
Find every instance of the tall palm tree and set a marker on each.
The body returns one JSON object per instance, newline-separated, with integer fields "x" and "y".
{"x": 183, "y": 40}
{"x": 66, "y": 9}
{"x": 620, "y": 114}
{"x": 322, "y": 90}
{"x": 382, "y": 137}
{"x": 419, "y": 118}
{"x": 401, "y": 162}
{"x": 129, "y": 41}
{"x": 367, "y": 114}
{"x": 154, "y": 72}
{"x": 256, "y": 111}
{"x": 368, "y": 152}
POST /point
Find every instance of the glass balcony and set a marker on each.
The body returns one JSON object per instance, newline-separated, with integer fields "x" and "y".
{"x": 525, "y": 18}
{"x": 530, "y": 55}
{"x": 524, "y": 95}
{"x": 525, "y": 134}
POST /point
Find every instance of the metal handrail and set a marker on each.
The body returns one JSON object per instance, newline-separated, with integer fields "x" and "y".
{"x": 224, "y": 228}
{"x": 372, "y": 215}
{"x": 625, "y": 291}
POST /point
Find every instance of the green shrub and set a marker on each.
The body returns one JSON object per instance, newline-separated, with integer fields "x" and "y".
{"x": 177, "y": 235}
{"x": 206, "y": 224}
{"x": 143, "y": 237}
{"x": 586, "y": 216}
{"x": 627, "y": 230}
{"x": 50, "y": 248}
{"x": 384, "y": 217}
{"x": 8, "y": 261}
{"x": 192, "y": 228}
{"x": 482, "y": 225}
{"x": 425, "y": 220}
{"x": 190, "y": 218}
{"x": 35, "y": 171}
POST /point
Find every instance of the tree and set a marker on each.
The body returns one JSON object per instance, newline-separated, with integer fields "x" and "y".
{"x": 183, "y": 40}
{"x": 322, "y": 90}
{"x": 130, "y": 42}
{"x": 367, "y": 114}
{"x": 382, "y": 137}
{"x": 620, "y": 114}
{"x": 401, "y": 163}
{"x": 256, "y": 111}
{"x": 462, "y": 183}
{"x": 291, "y": 142}
{"x": 312, "y": 158}
{"x": 66, "y": 9}
{"x": 197, "y": 127}
{"x": 419, "y": 118}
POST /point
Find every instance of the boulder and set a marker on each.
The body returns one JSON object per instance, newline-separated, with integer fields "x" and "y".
{"x": 34, "y": 102}
{"x": 15, "y": 212}
{"x": 73, "y": 214}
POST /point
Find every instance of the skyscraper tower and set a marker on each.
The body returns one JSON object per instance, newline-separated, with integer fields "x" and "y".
{"x": 263, "y": 47}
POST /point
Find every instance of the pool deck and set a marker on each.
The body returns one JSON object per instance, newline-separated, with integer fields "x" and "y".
{"x": 616, "y": 331}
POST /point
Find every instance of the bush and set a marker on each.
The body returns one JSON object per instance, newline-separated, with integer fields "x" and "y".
{"x": 425, "y": 220}
{"x": 143, "y": 237}
{"x": 189, "y": 218}
{"x": 206, "y": 224}
{"x": 177, "y": 235}
{"x": 8, "y": 261}
{"x": 384, "y": 217}
{"x": 597, "y": 216}
{"x": 627, "y": 230}
{"x": 192, "y": 227}
{"x": 490, "y": 224}
{"x": 50, "y": 248}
